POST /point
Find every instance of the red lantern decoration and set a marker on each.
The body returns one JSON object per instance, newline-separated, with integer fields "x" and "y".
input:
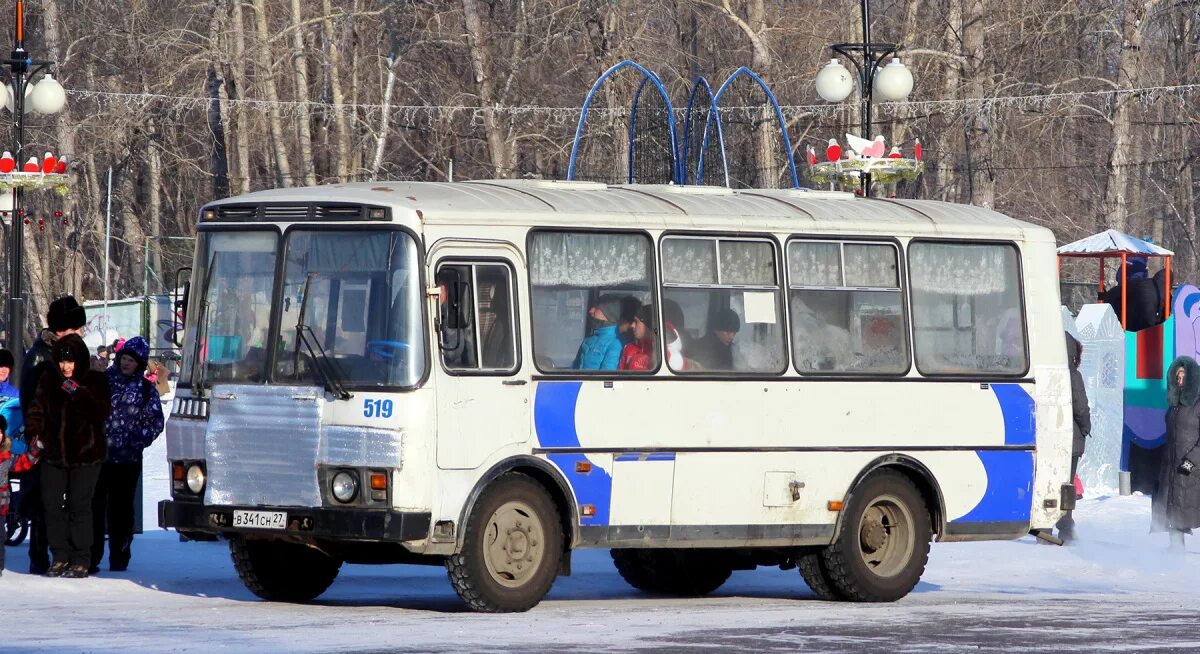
{"x": 48, "y": 163}
{"x": 32, "y": 166}
{"x": 7, "y": 163}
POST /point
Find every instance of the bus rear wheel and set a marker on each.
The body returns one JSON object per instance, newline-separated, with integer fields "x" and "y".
{"x": 281, "y": 571}
{"x": 512, "y": 547}
{"x": 883, "y": 545}
{"x": 816, "y": 575}
{"x": 684, "y": 573}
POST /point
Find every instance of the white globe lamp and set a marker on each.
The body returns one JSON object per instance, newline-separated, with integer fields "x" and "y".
{"x": 48, "y": 96}
{"x": 834, "y": 82}
{"x": 893, "y": 82}
{"x": 6, "y": 96}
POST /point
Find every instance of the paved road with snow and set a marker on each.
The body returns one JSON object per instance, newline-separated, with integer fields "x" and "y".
{"x": 1116, "y": 590}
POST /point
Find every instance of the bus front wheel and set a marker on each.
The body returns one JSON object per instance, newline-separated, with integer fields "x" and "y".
{"x": 281, "y": 571}
{"x": 512, "y": 547}
{"x": 883, "y": 545}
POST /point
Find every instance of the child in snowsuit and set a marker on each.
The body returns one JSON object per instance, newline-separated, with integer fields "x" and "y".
{"x": 11, "y": 464}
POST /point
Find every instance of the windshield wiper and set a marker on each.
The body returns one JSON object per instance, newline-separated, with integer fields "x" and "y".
{"x": 330, "y": 372}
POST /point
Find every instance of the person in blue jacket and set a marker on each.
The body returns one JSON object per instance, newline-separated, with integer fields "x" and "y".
{"x": 601, "y": 350}
{"x": 6, "y": 366}
{"x": 135, "y": 420}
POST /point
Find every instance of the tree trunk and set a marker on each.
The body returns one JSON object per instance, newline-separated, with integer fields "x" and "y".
{"x": 978, "y": 127}
{"x": 154, "y": 213}
{"x": 480, "y": 49}
{"x": 337, "y": 99}
{"x": 218, "y": 109}
{"x": 945, "y": 180}
{"x": 235, "y": 86}
{"x": 283, "y": 167}
{"x": 767, "y": 139}
{"x": 1115, "y": 208}
{"x": 303, "y": 115}
{"x": 385, "y": 119}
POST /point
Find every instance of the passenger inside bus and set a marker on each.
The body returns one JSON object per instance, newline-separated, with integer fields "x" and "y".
{"x": 639, "y": 353}
{"x": 715, "y": 350}
{"x": 601, "y": 349}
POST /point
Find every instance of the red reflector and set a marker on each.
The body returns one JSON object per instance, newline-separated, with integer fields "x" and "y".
{"x": 583, "y": 467}
{"x": 587, "y": 510}
{"x": 177, "y": 472}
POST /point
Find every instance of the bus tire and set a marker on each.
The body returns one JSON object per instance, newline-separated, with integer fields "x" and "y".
{"x": 512, "y": 546}
{"x": 883, "y": 545}
{"x": 682, "y": 573}
{"x": 280, "y": 571}
{"x": 636, "y": 568}
{"x": 690, "y": 573}
{"x": 812, "y": 569}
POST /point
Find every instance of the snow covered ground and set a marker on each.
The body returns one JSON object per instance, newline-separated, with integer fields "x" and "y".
{"x": 1117, "y": 589}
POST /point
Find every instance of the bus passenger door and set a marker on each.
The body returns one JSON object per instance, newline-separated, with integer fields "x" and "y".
{"x": 482, "y": 390}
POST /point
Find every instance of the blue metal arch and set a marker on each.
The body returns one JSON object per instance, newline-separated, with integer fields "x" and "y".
{"x": 689, "y": 118}
{"x": 647, "y": 76}
{"x": 716, "y": 110}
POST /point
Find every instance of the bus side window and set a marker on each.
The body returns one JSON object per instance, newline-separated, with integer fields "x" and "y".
{"x": 722, "y": 305}
{"x": 593, "y": 302}
{"x": 847, "y": 308}
{"x": 967, "y": 316}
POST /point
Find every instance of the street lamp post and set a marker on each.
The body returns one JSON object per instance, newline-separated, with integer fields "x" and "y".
{"x": 891, "y": 82}
{"x": 46, "y": 97}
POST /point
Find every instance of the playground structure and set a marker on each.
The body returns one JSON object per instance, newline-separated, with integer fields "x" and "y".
{"x": 1147, "y": 353}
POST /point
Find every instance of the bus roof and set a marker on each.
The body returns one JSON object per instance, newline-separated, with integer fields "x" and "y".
{"x": 592, "y": 204}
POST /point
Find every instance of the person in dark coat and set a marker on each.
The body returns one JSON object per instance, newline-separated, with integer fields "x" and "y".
{"x": 1082, "y": 419}
{"x": 135, "y": 420}
{"x": 715, "y": 350}
{"x": 63, "y": 317}
{"x": 68, "y": 414}
{"x": 1176, "y": 505}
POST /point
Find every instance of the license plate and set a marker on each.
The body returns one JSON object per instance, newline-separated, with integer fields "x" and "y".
{"x": 260, "y": 519}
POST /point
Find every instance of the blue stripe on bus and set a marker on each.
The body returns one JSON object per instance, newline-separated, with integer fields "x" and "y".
{"x": 1020, "y": 424}
{"x": 554, "y": 406}
{"x": 1009, "y": 493}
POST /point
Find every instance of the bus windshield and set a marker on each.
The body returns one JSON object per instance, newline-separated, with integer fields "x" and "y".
{"x": 235, "y": 280}
{"x": 357, "y": 295}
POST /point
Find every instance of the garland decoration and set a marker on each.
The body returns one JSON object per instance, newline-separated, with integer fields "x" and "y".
{"x": 59, "y": 183}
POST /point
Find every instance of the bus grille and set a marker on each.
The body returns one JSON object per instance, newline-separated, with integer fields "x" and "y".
{"x": 292, "y": 212}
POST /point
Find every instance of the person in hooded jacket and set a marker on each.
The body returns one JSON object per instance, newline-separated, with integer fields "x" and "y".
{"x": 639, "y": 353}
{"x": 601, "y": 350}
{"x": 136, "y": 419}
{"x": 1176, "y": 503}
{"x": 68, "y": 414}
{"x": 1082, "y": 421}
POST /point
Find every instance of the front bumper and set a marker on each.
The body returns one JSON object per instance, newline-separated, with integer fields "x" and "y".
{"x": 374, "y": 525}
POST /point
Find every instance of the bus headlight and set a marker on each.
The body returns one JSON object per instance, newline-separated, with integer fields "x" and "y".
{"x": 195, "y": 478}
{"x": 344, "y": 486}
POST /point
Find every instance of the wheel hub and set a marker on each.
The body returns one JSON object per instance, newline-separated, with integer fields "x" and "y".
{"x": 514, "y": 550}
{"x": 873, "y": 535}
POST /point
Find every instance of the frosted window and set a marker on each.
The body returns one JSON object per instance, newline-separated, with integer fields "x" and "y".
{"x": 851, "y": 323}
{"x": 966, "y": 302}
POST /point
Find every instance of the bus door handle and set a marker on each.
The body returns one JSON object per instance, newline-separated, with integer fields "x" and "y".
{"x": 225, "y": 396}
{"x": 301, "y": 397}
{"x": 514, "y": 382}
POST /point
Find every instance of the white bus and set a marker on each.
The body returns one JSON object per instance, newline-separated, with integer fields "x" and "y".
{"x": 473, "y": 375}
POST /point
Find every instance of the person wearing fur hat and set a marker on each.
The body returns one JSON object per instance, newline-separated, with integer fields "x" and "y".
{"x": 601, "y": 350}
{"x": 715, "y": 351}
{"x": 68, "y": 415}
{"x": 1176, "y": 504}
{"x": 135, "y": 420}
{"x": 63, "y": 317}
